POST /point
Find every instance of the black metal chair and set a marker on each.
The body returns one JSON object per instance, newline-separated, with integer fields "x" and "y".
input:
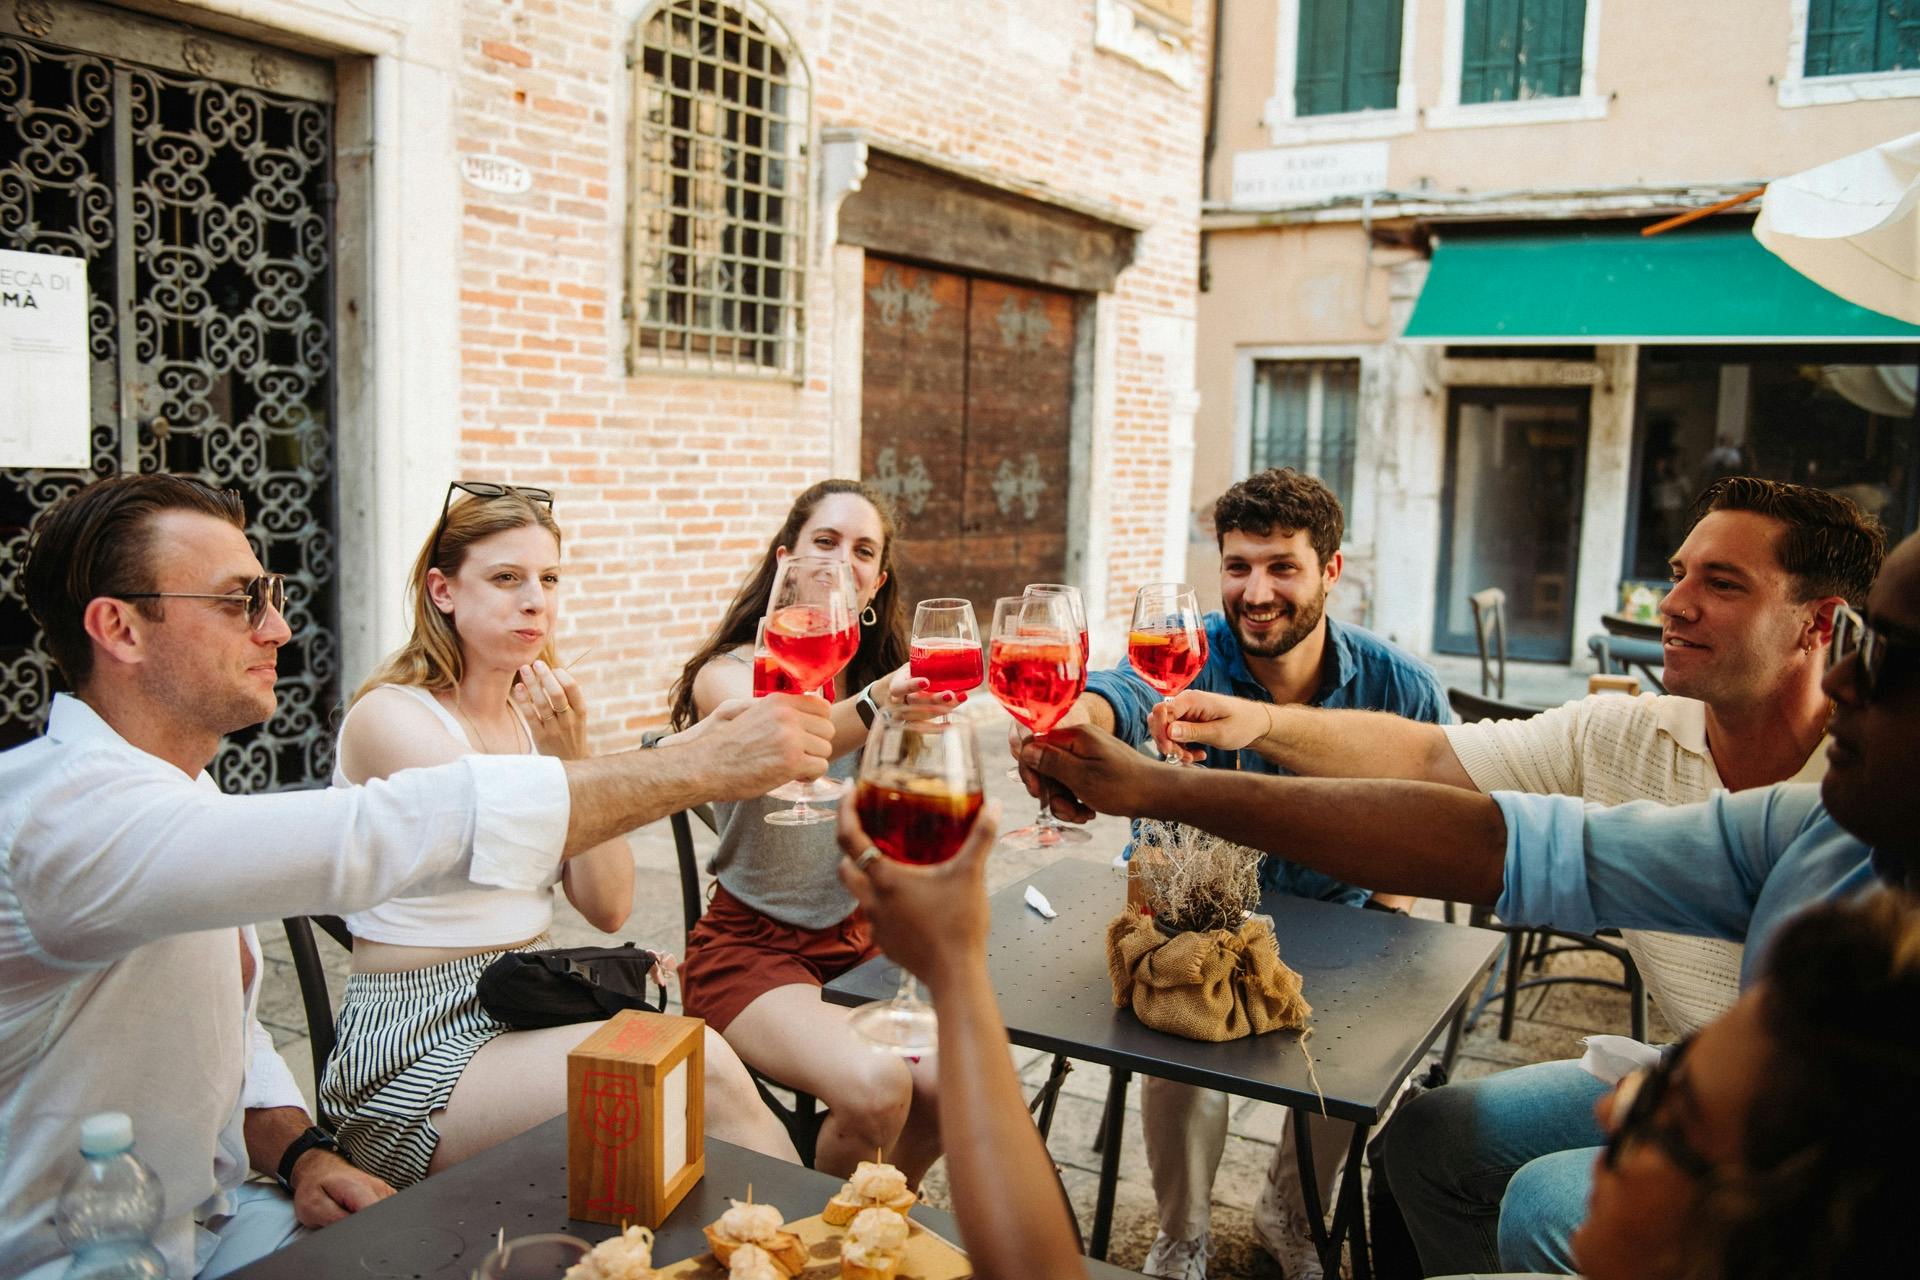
{"x": 312, "y": 975}
{"x": 1527, "y": 946}
{"x": 1490, "y": 633}
{"x": 1627, "y": 644}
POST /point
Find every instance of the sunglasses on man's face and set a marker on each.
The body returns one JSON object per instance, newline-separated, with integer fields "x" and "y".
{"x": 1635, "y": 1117}
{"x": 1880, "y": 654}
{"x": 483, "y": 489}
{"x": 268, "y": 591}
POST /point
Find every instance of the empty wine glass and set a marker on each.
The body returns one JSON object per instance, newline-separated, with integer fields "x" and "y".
{"x": 812, "y": 631}
{"x": 945, "y": 650}
{"x": 1034, "y": 668}
{"x": 1167, "y": 643}
{"x": 918, "y": 794}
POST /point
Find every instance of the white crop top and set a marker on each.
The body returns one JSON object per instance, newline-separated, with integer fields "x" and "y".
{"x": 477, "y": 917}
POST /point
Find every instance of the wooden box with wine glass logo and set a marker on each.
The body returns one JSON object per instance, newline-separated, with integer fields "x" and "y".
{"x": 636, "y": 1118}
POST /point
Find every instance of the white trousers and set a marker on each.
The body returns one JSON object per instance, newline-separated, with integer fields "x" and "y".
{"x": 1186, "y": 1132}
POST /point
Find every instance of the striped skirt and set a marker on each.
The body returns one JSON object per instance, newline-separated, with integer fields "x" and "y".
{"x": 402, "y": 1041}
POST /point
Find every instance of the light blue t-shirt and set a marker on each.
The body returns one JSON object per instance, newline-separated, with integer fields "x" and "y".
{"x": 1360, "y": 672}
{"x": 1736, "y": 866}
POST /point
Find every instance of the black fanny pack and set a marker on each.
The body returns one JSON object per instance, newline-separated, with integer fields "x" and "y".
{"x": 529, "y": 990}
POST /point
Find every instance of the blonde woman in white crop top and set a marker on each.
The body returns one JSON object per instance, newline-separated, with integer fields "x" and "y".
{"x": 422, "y": 1078}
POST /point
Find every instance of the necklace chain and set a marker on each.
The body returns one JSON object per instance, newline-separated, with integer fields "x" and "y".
{"x": 479, "y": 738}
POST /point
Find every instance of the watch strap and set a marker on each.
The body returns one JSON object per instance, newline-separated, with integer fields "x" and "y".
{"x": 866, "y": 706}
{"x": 315, "y": 1136}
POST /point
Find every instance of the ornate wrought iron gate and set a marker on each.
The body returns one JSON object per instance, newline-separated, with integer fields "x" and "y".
{"x": 192, "y": 172}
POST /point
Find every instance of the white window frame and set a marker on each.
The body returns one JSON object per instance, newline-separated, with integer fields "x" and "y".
{"x": 1797, "y": 89}
{"x": 1285, "y": 128}
{"x": 1451, "y": 113}
{"x": 1371, "y": 357}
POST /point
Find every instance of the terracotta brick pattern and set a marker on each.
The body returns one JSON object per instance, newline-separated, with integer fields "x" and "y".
{"x": 667, "y": 485}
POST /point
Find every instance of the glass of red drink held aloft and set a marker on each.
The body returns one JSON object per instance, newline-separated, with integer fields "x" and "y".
{"x": 812, "y": 630}
{"x": 770, "y": 677}
{"x": 1167, "y": 643}
{"x": 918, "y": 794}
{"x": 1035, "y": 669}
{"x": 945, "y": 650}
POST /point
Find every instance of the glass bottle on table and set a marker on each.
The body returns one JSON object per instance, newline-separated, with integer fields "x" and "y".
{"x": 811, "y": 630}
{"x": 945, "y": 649}
{"x": 1167, "y": 642}
{"x": 1034, "y": 668}
{"x": 918, "y": 793}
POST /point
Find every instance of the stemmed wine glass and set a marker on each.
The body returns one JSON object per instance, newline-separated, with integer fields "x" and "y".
{"x": 945, "y": 650}
{"x": 1167, "y": 644}
{"x": 1035, "y": 669}
{"x": 918, "y": 794}
{"x": 812, "y": 630}
{"x": 1071, "y": 595}
{"x": 770, "y": 677}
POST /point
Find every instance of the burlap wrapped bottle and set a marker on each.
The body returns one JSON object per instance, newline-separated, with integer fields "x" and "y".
{"x": 1205, "y": 985}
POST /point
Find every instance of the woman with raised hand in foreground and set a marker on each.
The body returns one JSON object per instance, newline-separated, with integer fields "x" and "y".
{"x": 422, "y": 1076}
{"x": 932, "y": 921}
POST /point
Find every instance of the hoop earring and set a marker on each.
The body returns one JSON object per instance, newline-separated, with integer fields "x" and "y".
{"x": 868, "y": 617}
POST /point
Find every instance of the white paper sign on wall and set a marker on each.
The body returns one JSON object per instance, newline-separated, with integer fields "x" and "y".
{"x": 45, "y": 383}
{"x": 1308, "y": 175}
{"x": 491, "y": 173}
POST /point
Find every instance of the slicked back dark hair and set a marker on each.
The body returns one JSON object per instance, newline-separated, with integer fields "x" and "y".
{"x": 98, "y": 541}
{"x": 1282, "y": 498}
{"x": 1830, "y": 546}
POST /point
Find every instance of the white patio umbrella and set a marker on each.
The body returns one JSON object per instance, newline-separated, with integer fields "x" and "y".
{"x": 1852, "y": 226}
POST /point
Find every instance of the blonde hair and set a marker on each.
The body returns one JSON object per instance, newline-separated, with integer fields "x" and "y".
{"x": 431, "y": 657}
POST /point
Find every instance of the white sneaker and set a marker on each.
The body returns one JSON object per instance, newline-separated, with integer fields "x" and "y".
{"x": 1283, "y": 1232}
{"x": 1178, "y": 1259}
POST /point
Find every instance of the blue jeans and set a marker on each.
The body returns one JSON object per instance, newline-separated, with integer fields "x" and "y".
{"x": 1493, "y": 1174}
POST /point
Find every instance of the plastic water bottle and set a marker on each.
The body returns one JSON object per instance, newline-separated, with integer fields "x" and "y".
{"x": 110, "y": 1206}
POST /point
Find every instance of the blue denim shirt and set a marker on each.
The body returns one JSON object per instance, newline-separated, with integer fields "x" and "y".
{"x": 1361, "y": 672}
{"x": 1736, "y": 866}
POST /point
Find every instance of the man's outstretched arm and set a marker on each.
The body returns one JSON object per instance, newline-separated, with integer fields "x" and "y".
{"x": 1318, "y": 742}
{"x": 1417, "y": 838}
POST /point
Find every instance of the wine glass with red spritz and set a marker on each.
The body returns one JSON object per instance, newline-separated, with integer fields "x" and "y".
{"x": 1167, "y": 644}
{"x": 812, "y": 630}
{"x": 1071, "y": 595}
{"x": 770, "y": 677}
{"x": 918, "y": 794}
{"x": 1035, "y": 669}
{"x": 945, "y": 650}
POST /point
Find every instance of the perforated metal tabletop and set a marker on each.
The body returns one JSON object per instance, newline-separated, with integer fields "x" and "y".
{"x": 1382, "y": 987}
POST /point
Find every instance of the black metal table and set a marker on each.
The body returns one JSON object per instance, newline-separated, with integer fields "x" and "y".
{"x": 1382, "y": 987}
{"x": 439, "y": 1229}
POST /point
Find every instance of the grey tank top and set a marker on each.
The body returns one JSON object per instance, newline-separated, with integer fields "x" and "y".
{"x": 787, "y": 873}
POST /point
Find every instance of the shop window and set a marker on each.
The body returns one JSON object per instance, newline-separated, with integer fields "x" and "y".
{"x": 1858, "y": 37}
{"x": 1348, "y": 56}
{"x": 1781, "y": 415}
{"x": 1304, "y": 413}
{"x": 1520, "y": 49}
{"x": 716, "y": 232}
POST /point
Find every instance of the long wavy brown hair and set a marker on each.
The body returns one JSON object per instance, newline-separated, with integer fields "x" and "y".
{"x": 431, "y": 657}
{"x": 883, "y": 646}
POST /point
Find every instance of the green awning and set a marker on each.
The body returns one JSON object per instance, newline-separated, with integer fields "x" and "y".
{"x": 1694, "y": 284}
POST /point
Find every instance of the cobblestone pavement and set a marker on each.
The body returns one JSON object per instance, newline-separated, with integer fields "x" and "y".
{"x": 1549, "y": 1026}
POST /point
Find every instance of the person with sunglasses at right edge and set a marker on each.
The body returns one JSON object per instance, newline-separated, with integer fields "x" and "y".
{"x": 1738, "y": 866}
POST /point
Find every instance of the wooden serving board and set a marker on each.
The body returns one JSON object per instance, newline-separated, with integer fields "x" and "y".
{"x": 928, "y": 1257}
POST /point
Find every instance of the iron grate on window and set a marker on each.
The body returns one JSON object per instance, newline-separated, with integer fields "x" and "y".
{"x": 717, "y": 226}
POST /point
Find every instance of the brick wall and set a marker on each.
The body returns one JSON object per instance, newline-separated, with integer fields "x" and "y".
{"x": 667, "y": 486}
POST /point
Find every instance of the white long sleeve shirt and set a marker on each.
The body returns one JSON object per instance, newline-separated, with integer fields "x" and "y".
{"x": 122, "y": 881}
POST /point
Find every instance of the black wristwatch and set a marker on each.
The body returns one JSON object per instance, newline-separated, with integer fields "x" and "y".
{"x": 866, "y": 706}
{"x": 315, "y": 1136}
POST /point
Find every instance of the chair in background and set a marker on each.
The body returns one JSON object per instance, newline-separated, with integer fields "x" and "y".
{"x": 312, "y": 975}
{"x": 1629, "y": 643}
{"x": 1490, "y": 634}
{"x": 1528, "y": 947}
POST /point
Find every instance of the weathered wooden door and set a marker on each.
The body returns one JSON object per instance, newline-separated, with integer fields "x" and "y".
{"x": 192, "y": 173}
{"x": 966, "y": 422}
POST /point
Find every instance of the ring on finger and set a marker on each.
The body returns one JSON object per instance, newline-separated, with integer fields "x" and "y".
{"x": 560, "y": 711}
{"x": 866, "y": 858}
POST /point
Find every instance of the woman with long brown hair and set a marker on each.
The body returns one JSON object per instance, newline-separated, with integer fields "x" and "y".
{"x": 422, "y": 1077}
{"x": 779, "y": 924}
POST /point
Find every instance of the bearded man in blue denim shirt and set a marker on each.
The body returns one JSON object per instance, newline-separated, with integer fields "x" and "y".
{"x": 1279, "y": 534}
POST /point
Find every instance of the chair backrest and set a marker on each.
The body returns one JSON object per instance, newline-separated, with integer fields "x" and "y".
{"x": 692, "y": 903}
{"x": 1471, "y": 707}
{"x": 1490, "y": 634}
{"x": 312, "y": 976}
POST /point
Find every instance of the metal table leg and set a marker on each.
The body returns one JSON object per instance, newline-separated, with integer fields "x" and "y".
{"x": 1112, "y": 1125}
{"x": 1349, "y": 1216}
{"x": 1043, "y": 1102}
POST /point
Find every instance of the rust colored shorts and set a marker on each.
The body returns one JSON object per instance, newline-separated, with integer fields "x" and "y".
{"x": 735, "y": 955}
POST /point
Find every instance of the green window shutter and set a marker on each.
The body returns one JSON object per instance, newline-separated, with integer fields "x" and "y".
{"x": 1348, "y": 56}
{"x": 1513, "y": 49}
{"x": 1855, "y": 37}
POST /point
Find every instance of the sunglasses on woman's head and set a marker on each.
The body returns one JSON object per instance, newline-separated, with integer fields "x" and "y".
{"x": 268, "y": 591}
{"x": 484, "y": 489}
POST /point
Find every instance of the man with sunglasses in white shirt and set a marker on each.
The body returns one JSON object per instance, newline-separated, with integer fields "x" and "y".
{"x": 128, "y": 970}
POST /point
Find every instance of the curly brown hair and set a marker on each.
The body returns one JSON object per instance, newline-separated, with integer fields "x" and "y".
{"x": 1831, "y": 547}
{"x": 1285, "y": 499}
